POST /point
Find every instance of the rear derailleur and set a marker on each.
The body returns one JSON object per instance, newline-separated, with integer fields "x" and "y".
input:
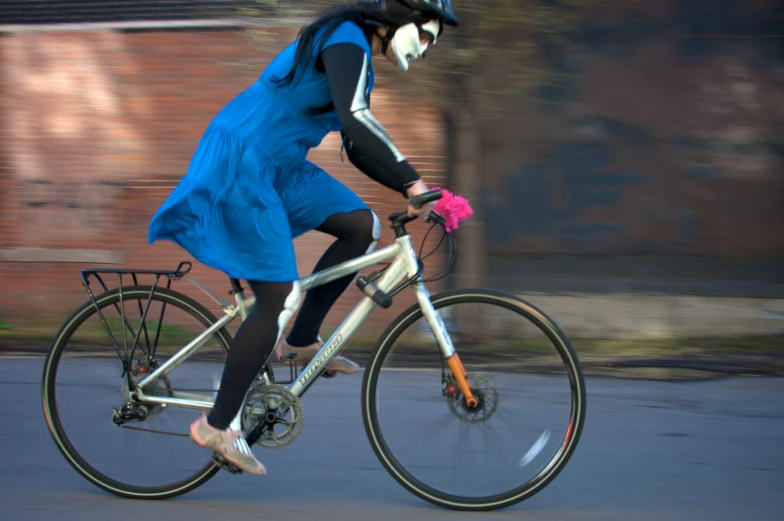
{"x": 130, "y": 412}
{"x": 134, "y": 411}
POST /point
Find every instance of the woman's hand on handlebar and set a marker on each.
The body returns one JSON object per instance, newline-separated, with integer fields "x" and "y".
{"x": 417, "y": 188}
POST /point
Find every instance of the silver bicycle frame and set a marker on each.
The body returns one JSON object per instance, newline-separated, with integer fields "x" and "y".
{"x": 404, "y": 265}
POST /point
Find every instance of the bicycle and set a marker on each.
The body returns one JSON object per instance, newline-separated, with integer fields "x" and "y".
{"x": 273, "y": 413}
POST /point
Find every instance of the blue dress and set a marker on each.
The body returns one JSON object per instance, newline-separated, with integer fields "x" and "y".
{"x": 249, "y": 191}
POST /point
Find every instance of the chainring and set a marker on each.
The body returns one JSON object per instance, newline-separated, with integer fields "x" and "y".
{"x": 485, "y": 393}
{"x": 265, "y": 401}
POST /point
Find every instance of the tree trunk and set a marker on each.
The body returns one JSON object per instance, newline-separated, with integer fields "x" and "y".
{"x": 466, "y": 181}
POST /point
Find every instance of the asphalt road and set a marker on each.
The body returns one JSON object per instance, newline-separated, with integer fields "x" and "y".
{"x": 708, "y": 450}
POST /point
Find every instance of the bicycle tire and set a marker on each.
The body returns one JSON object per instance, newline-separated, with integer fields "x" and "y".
{"x": 406, "y": 479}
{"x": 167, "y": 296}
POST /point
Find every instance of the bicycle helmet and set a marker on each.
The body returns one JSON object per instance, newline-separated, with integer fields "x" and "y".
{"x": 441, "y": 9}
{"x": 406, "y": 19}
{"x": 401, "y": 12}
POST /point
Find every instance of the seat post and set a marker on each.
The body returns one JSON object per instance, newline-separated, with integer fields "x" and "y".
{"x": 236, "y": 287}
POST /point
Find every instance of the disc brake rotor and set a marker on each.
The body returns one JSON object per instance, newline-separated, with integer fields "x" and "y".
{"x": 486, "y": 395}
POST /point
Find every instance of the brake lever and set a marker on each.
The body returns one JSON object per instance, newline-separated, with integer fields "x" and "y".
{"x": 435, "y": 216}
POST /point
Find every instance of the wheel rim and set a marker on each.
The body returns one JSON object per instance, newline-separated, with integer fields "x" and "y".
{"x": 387, "y": 442}
{"x": 103, "y": 459}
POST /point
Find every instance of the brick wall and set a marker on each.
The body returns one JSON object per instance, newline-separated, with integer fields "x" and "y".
{"x": 661, "y": 136}
{"x": 99, "y": 126}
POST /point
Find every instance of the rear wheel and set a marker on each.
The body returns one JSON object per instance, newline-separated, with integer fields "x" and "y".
{"x": 87, "y": 378}
{"x": 528, "y": 384}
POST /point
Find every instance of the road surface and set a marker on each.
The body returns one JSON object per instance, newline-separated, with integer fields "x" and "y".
{"x": 683, "y": 451}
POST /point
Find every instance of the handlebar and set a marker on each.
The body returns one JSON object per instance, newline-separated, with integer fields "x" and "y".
{"x": 418, "y": 201}
{"x": 400, "y": 219}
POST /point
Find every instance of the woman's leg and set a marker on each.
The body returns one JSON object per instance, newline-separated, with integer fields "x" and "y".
{"x": 252, "y": 346}
{"x": 357, "y": 233}
{"x": 249, "y": 351}
{"x": 314, "y": 200}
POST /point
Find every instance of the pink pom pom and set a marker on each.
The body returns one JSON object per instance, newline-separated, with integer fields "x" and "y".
{"x": 453, "y": 208}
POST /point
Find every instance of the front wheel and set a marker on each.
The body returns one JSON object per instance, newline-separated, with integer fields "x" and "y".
{"x": 465, "y": 455}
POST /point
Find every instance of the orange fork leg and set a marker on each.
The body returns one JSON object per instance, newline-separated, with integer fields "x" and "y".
{"x": 459, "y": 372}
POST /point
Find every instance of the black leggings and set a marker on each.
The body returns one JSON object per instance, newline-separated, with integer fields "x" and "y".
{"x": 258, "y": 333}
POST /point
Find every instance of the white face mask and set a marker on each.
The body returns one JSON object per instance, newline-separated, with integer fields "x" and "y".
{"x": 406, "y": 46}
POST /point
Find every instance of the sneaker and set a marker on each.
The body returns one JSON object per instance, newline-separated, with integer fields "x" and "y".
{"x": 230, "y": 444}
{"x": 305, "y": 355}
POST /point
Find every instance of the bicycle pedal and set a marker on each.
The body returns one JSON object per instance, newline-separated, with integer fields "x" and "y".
{"x": 329, "y": 374}
{"x": 225, "y": 465}
{"x": 291, "y": 357}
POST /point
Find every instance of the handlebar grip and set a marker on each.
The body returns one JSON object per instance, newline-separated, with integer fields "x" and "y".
{"x": 418, "y": 201}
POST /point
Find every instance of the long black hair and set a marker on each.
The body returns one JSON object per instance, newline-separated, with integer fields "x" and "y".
{"x": 367, "y": 15}
{"x": 330, "y": 18}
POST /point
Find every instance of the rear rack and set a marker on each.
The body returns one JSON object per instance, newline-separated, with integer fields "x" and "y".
{"x": 171, "y": 275}
{"x": 182, "y": 269}
{"x": 149, "y": 348}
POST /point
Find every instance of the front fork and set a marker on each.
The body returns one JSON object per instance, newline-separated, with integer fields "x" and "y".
{"x": 445, "y": 343}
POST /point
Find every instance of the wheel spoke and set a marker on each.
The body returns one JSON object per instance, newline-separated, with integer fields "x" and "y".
{"x": 145, "y": 456}
{"x": 487, "y": 438}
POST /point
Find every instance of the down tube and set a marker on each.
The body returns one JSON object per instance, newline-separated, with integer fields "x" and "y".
{"x": 346, "y": 330}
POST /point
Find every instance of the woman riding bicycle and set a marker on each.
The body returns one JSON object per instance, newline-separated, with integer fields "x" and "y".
{"x": 249, "y": 190}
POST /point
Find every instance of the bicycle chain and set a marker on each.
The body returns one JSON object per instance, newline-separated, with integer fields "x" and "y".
{"x": 167, "y": 433}
{"x": 156, "y": 431}
{"x": 125, "y": 426}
